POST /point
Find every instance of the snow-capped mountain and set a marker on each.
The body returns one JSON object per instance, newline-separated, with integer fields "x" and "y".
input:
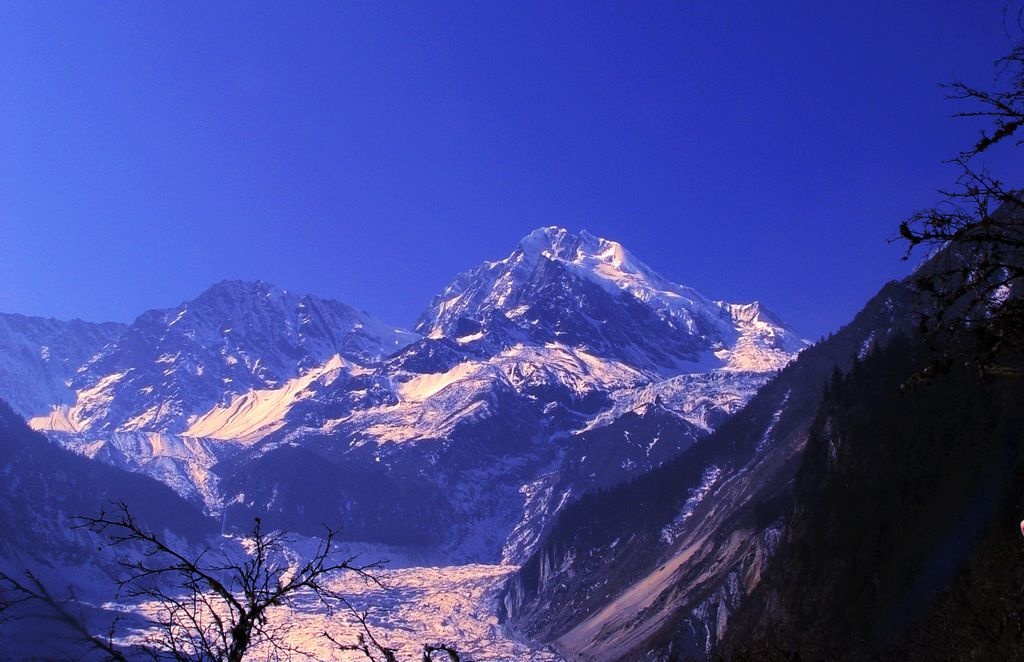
{"x": 172, "y": 365}
{"x": 583, "y": 291}
{"x": 497, "y": 414}
{"x": 624, "y": 447}
{"x": 39, "y": 357}
{"x": 531, "y": 380}
{"x": 564, "y": 369}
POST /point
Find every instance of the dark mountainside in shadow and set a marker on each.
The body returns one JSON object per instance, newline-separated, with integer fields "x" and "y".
{"x": 903, "y": 541}
{"x": 43, "y": 488}
{"x": 607, "y": 542}
{"x": 842, "y": 514}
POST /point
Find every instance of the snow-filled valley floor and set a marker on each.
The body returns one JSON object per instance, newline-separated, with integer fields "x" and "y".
{"x": 454, "y": 605}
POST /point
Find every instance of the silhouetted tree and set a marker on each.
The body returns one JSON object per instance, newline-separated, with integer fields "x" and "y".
{"x": 975, "y": 281}
{"x": 16, "y": 592}
{"x": 210, "y": 605}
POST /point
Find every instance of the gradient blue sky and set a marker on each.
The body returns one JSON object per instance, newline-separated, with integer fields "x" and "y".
{"x": 371, "y": 151}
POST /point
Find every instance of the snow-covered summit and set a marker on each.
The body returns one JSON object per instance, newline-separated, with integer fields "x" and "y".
{"x": 585, "y": 290}
{"x": 604, "y": 257}
{"x": 235, "y": 337}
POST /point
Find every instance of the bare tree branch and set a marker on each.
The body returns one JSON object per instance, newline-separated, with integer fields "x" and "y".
{"x": 974, "y": 283}
{"x": 66, "y": 611}
{"x": 210, "y": 604}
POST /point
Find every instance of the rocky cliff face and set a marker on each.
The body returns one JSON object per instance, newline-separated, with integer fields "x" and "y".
{"x": 39, "y": 358}
{"x": 657, "y": 566}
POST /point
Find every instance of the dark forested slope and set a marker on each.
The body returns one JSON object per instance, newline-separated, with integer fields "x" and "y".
{"x": 904, "y": 538}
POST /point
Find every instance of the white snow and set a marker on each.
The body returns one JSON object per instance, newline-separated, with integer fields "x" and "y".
{"x": 865, "y": 346}
{"x": 696, "y": 495}
{"x": 769, "y": 431}
{"x": 431, "y": 404}
{"x": 694, "y": 397}
{"x": 95, "y": 399}
{"x": 414, "y": 606}
{"x": 253, "y": 415}
{"x": 421, "y": 387}
{"x": 59, "y": 419}
{"x": 741, "y": 337}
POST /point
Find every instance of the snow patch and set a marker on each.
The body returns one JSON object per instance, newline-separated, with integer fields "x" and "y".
{"x": 253, "y": 415}
{"x": 696, "y": 495}
{"x": 421, "y": 387}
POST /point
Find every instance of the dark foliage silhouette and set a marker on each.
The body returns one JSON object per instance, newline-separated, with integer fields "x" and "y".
{"x": 210, "y": 604}
{"x": 974, "y": 281}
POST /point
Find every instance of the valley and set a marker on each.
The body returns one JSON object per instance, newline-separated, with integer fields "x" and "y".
{"x": 566, "y": 368}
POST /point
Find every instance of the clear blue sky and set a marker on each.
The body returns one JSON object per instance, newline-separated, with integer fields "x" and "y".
{"x": 370, "y": 151}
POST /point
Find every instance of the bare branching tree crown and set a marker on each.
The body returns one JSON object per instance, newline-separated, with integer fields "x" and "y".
{"x": 975, "y": 280}
{"x": 212, "y": 605}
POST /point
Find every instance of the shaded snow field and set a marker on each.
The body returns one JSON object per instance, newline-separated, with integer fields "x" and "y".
{"x": 455, "y": 605}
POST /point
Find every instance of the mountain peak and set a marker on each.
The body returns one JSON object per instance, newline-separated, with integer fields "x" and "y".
{"x": 580, "y": 289}
{"x": 235, "y": 337}
{"x": 241, "y": 289}
{"x": 558, "y": 243}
